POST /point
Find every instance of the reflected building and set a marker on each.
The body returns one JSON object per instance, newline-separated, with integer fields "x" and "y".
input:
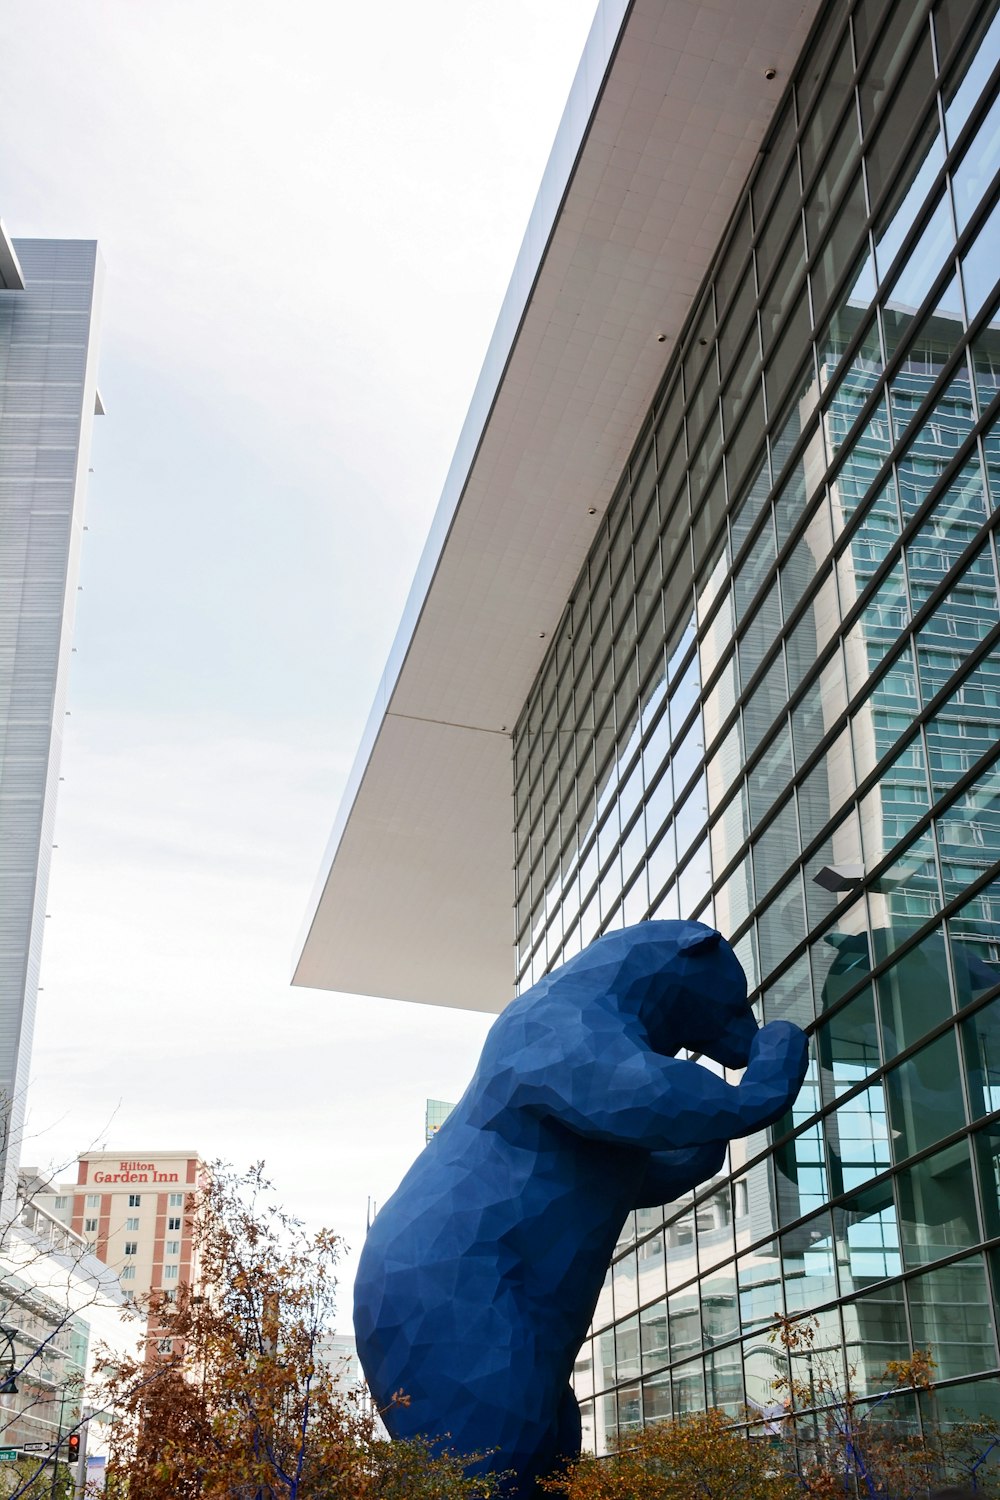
{"x": 769, "y": 698}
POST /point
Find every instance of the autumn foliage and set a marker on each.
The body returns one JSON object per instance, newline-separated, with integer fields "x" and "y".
{"x": 831, "y": 1443}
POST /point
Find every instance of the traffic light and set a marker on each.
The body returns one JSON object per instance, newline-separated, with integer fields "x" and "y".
{"x": 72, "y": 1447}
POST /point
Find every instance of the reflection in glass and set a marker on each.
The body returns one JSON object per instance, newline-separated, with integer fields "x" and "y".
{"x": 937, "y": 1206}
{"x": 950, "y": 1313}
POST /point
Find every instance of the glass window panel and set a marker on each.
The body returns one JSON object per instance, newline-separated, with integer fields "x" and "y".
{"x": 955, "y": 738}
{"x": 915, "y": 278}
{"x": 950, "y": 1313}
{"x": 980, "y": 1041}
{"x": 781, "y": 926}
{"x": 625, "y": 1285}
{"x": 734, "y": 901}
{"x": 759, "y": 1271}
{"x": 777, "y": 299}
{"x": 770, "y": 776}
{"x": 937, "y": 1208}
{"x": 834, "y": 174}
{"x": 652, "y": 1272}
{"x": 747, "y": 509}
{"x": 986, "y": 1150}
{"x": 824, "y": 791}
{"x": 662, "y": 864}
{"x": 905, "y": 894}
{"x": 790, "y": 426}
{"x": 695, "y": 880}
{"x": 974, "y": 934}
{"x": 978, "y": 166}
{"x": 809, "y": 1254}
{"x": 656, "y": 1402}
{"x": 925, "y": 1102}
{"x": 627, "y": 1348}
{"x": 885, "y": 152}
{"x": 840, "y": 249}
{"x": 980, "y": 54}
{"x": 721, "y": 699}
{"x": 770, "y": 243}
{"x": 886, "y": 59}
{"x": 737, "y": 321}
{"x": 914, "y": 995}
{"x": 895, "y": 804}
{"x": 688, "y": 754}
{"x": 871, "y": 541}
{"x": 714, "y": 1220}
{"x": 764, "y": 1363}
{"x": 653, "y": 1336}
{"x": 818, "y": 709}
{"x": 969, "y": 834}
{"x": 807, "y": 559}
{"x": 868, "y": 19}
{"x": 873, "y": 634}
{"x": 876, "y": 1331}
{"x": 766, "y": 705}
{"x": 870, "y": 1252}
{"x": 775, "y": 849}
{"x": 979, "y": 264}
{"x": 833, "y": 870}
{"x": 847, "y": 1044}
{"x": 775, "y": 165}
{"x": 733, "y": 260}
{"x": 830, "y": 101}
{"x": 684, "y": 1323}
{"x": 760, "y": 633}
{"x": 724, "y": 766}
{"x": 689, "y": 1388}
{"x": 853, "y": 388}
{"x": 786, "y": 353}
{"x": 741, "y": 384}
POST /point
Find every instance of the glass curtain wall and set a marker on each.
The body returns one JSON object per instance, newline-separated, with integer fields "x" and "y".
{"x": 773, "y": 703}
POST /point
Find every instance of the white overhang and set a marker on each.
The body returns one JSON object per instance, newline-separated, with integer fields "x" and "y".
{"x": 666, "y": 116}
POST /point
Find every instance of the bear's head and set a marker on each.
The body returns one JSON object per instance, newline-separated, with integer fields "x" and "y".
{"x": 685, "y": 984}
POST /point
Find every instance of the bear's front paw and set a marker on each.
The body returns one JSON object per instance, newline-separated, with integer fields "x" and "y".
{"x": 779, "y": 1058}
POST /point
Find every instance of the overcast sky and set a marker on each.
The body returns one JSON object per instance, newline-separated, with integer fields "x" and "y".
{"x": 308, "y": 216}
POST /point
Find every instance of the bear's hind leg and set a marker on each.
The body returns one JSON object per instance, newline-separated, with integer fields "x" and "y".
{"x": 569, "y": 1427}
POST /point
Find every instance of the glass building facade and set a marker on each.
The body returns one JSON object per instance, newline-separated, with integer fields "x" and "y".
{"x": 773, "y": 703}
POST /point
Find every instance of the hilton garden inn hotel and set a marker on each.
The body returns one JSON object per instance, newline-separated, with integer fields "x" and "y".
{"x": 707, "y": 625}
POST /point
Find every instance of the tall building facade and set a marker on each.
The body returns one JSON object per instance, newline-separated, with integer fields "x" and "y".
{"x": 49, "y": 300}
{"x": 768, "y": 698}
{"x": 134, "y": 1213}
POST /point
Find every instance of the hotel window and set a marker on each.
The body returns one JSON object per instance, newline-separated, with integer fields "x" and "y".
{"x": 134, "y": 1199}
{"x": 132, "y": 1225}
{"x": 90, "y": 1226}
{"x": 61, "y": 1202}
{"x": 176, "y": 1200}
{"x": 131, "y": 1247}
{"x": 127, "y": 1273}
{"x": 170, "y": 1273}
{"x": 93, "y": 1200}
{"x": 174, "y": 1223}
{"x": 173, "y": 1247}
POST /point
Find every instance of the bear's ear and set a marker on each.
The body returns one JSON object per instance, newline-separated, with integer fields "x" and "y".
{"x": 701, "y": 942}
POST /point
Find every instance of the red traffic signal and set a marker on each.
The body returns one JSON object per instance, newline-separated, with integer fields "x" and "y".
{"x": 73, "y": 1447}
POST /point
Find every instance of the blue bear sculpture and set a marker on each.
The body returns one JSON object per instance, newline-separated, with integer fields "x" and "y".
{"x": 480, "y": 1275}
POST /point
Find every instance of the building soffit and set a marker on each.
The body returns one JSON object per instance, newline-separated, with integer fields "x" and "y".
{"x": 665, "y": 120}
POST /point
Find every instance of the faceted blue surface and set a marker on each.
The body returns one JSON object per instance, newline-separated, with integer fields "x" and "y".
{"x": 480, "y": 1275}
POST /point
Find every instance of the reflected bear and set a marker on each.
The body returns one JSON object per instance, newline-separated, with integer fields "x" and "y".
{"x": 480, "y": 1275}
